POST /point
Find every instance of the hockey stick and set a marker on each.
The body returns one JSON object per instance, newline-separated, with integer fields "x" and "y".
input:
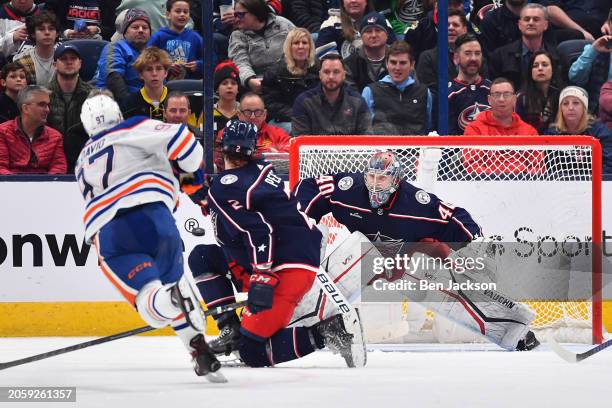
{"x": 572, "y": 357}
{"x": 101, "y": 340}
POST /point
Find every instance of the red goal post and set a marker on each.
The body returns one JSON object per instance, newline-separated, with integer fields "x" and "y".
{"x": 531, "y": 165}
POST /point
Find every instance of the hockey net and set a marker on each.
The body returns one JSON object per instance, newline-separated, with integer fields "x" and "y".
{"x": 541, "y": 189}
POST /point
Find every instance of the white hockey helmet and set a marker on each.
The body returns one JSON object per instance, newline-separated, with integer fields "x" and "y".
{"x": 100, "y": 112}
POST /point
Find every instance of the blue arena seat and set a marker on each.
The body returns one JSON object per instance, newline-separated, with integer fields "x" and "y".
{"x": 90, "y": 53}
{"x": 570, "y": 50}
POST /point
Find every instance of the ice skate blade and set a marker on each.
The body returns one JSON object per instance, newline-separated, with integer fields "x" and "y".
{"x": 217, "y": 377}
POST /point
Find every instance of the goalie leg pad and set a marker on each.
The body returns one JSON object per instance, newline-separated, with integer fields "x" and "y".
{"x": 483, "y": 309}
{"x": 344, "y": 266}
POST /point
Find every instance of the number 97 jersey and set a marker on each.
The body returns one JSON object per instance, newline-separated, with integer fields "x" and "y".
{"x": 129, "y": 165}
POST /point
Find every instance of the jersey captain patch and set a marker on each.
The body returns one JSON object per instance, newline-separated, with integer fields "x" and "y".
{"x": 229, "y": 179}
{"x": 345, "y": 183}
{"x": 422, "y": 197}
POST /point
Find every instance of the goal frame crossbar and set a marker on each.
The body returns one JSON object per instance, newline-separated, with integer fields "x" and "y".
{"x": 383, "y": 141}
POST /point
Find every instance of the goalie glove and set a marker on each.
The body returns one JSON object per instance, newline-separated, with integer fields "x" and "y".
{"x": 261, "y": 288}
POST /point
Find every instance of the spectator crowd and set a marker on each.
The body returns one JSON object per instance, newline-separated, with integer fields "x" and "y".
{"x": 305, "y": 67}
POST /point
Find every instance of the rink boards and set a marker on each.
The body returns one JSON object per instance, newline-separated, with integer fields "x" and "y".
{"x": 50, "y": 284}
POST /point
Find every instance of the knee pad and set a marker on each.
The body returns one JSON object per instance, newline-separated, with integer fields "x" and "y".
{"x": 254, "y": 353}
{"x": 154, "y": 304}
{"x": 207, "y": 259}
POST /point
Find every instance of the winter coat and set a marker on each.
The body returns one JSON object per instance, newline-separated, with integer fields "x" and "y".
{"x": 314, "y": 115}
{"x": 119, "y": 57}
{"x": 310, "y": 13}
{"x": 281, "y": 88}
{"x": 600, "y": 131}
{"x": 43, "y": 155}
{"x": 65, "y": 118}
{"x": 254, "y": 52}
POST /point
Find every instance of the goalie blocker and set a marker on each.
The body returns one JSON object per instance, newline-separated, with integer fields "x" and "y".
{"x": 488, "y": 313}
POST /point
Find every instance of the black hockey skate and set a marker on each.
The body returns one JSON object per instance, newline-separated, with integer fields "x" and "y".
{"x": 528, "y": 343}
{"x": 229, "y": 337}
{"x": 204, "y": 361}
{"x": 338, "y": 339}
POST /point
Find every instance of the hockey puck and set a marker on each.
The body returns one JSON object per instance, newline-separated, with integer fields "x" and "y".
{"x": 198, "y": 232}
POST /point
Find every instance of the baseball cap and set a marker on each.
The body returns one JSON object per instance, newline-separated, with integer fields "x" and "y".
{"x": 64, "y": 48}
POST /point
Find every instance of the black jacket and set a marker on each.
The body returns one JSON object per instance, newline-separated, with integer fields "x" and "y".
{"x": 507, "y": 62}
{"x": 281, "y": 88}
{"x": 310, "y": 13}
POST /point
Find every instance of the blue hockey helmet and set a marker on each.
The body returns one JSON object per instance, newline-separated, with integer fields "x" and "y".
{"x": 239, "y": 138}
{"x": 382, "y": 177}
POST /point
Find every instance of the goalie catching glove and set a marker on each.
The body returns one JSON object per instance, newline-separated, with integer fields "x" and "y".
{"x": 261, "y": 290}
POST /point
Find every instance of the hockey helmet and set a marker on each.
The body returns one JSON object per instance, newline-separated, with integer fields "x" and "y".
{"x": 382, "y": 177}
{"x": 239, "y": 138}
{"x": 99, "y": 113}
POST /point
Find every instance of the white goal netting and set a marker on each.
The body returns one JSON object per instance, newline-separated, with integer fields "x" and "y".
{"x": 542, "y": 191}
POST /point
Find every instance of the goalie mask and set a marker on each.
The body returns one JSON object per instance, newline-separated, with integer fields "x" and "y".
{"x": 382, "y": 177}
{"x": 99, "y": 113}
{"x": 239, "y": 139}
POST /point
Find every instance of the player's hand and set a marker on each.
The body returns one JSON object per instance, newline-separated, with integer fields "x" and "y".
{"x": 196, "y": 185}
{"x": 261, "y": 290}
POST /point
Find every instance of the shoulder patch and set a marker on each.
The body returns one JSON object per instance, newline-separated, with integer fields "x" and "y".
{"x": 229, "y": 179}
{"x": 345, "y": 183}
{"x": 421, "y": 196}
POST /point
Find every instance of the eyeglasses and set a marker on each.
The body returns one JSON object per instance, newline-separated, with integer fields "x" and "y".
{"x": 240, "y": 14}
{"x": 40, "y": 104}
{"x": 499, "y": 95}
{"x": 257, "y": 112}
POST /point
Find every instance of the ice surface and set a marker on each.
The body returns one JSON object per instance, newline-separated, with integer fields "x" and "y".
{"x": 155, "y": 372}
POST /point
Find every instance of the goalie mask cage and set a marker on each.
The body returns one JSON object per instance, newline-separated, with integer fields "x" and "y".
{"x": 539, "y": 186}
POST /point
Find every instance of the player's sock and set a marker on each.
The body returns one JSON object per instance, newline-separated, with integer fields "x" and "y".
{"x": 216, "y": 290}
{"x": 286, "y": 345}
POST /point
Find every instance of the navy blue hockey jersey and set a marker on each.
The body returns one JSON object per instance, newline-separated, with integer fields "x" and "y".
{"x": 256, "y": 222}
{"x": 465, "y": 102}
{"x": 410, "y": 215}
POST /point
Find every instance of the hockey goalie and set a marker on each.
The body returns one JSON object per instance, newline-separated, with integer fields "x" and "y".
{"x": 433, "y": 237}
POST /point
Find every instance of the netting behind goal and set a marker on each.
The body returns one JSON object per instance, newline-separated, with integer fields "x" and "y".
{"x": 519, "y": 189}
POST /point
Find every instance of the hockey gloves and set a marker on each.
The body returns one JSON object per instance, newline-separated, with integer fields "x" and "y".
{"x": 195, "y": 185}
{"x": 261, "y": 291}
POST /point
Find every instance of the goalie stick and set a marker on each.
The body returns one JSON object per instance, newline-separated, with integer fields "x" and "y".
{"x": 572, "y": 357}
{"x": 112, "y": 337}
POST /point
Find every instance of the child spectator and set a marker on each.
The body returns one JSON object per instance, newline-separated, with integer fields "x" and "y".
{"x": 152, "y": 66}
{"x": 38, "y": 60}
{"x": 226, "y": 85}
{"x": 12, "y": 80}
{"x": 297, "y": 72}
{"x": 184, "y": 45}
